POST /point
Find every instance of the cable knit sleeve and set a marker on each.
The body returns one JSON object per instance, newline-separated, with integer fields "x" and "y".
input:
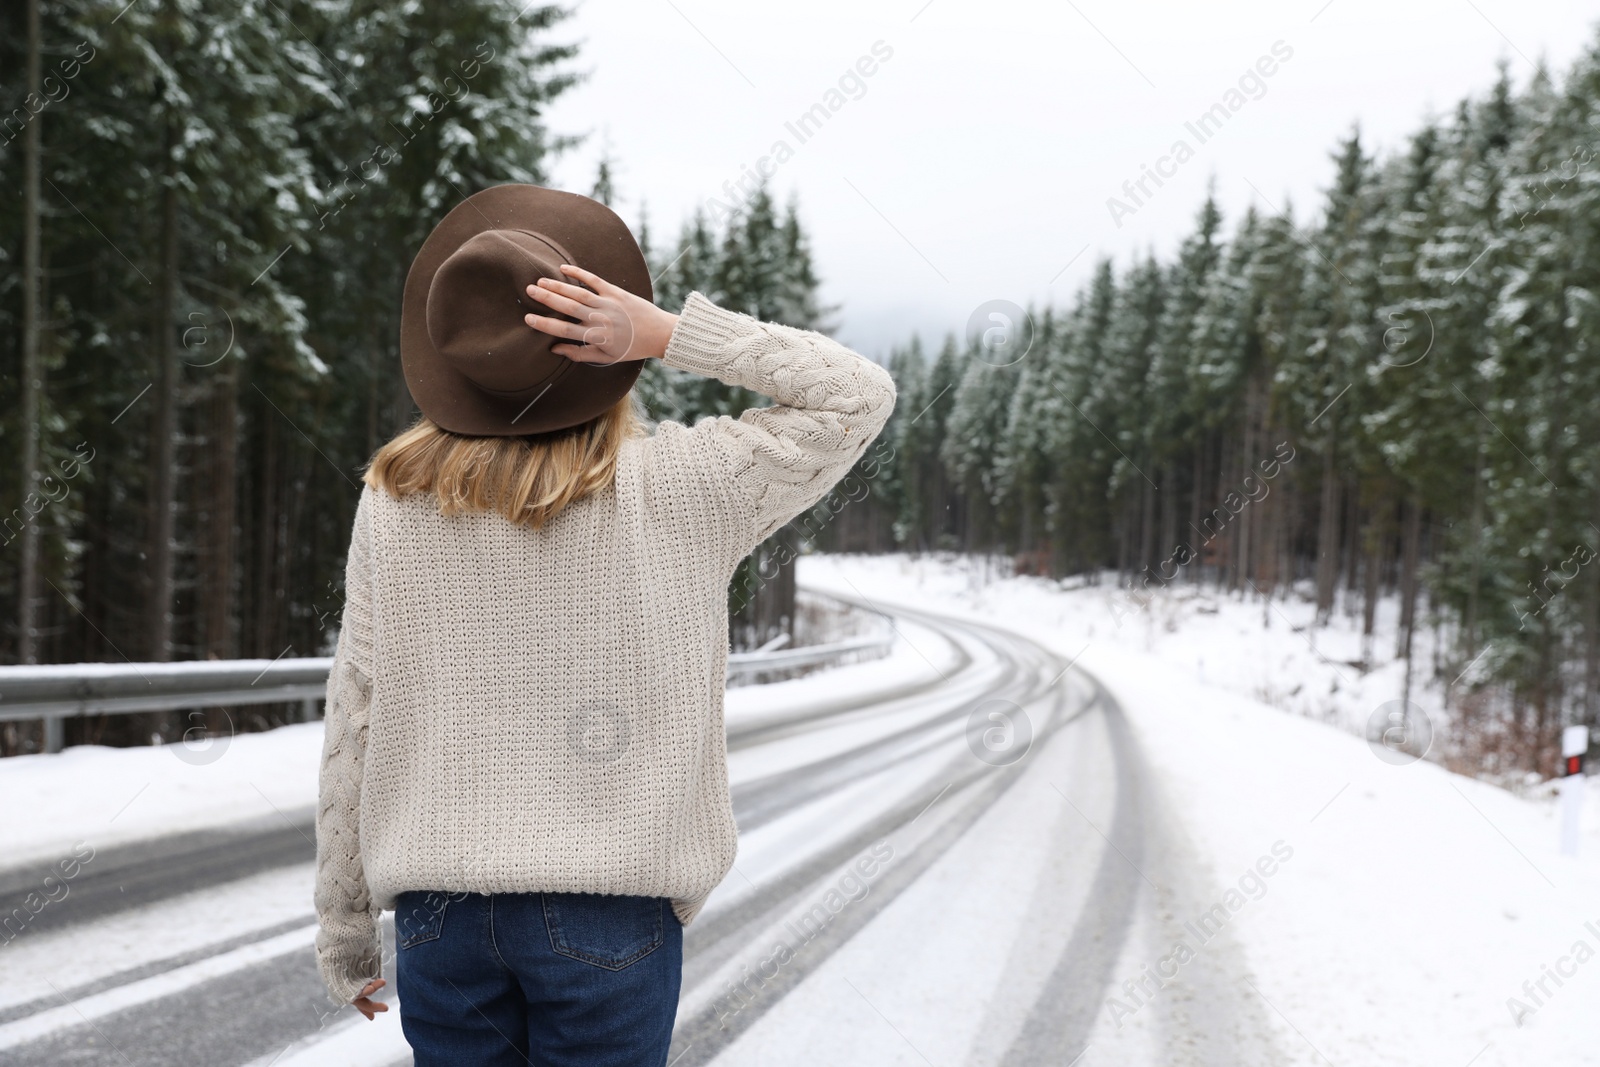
{"x": 831, "y": 404}
{"x": 348, "y": 949}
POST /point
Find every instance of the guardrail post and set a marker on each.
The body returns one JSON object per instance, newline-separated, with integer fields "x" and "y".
{"x": 308, "y": 709}
{"x": 55, "y": 734}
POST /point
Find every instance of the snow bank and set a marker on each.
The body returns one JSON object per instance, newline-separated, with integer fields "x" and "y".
{"x": 105, "y": 796}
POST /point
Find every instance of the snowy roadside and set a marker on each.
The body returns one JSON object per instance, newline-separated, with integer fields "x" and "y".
{"x": 109, "y": 796}
{"x": 1422, "y": 914}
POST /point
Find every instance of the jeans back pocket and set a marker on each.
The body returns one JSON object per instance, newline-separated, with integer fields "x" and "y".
{"x": 607, "y": 931}
{"x": 419, "y": 917}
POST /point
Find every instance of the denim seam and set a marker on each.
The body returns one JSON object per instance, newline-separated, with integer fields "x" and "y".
{"x": 492, "y": 942}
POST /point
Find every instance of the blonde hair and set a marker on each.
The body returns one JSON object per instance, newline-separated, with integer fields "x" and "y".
{"x": 526, "y": 479}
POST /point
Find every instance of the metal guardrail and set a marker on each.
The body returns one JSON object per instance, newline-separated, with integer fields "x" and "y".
{"x": 746, "y": 664}
{"x": 59, "y": 691}
{"x": 55, "y": 692}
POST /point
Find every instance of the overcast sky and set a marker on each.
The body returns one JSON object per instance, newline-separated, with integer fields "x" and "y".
{"x": 975, "y": 161}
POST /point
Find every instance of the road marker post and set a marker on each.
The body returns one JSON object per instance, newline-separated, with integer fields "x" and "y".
{"x": 1574, "y": 745}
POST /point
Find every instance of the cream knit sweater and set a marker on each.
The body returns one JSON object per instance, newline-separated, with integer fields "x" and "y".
{"x": 517, "y": 710}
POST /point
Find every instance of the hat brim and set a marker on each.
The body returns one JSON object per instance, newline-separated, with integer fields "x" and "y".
{"x": 573, "y": 393}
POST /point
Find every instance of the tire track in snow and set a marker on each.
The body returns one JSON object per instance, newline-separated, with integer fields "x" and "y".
{"x": 1064, "y": 1012}
{"x": 143, "y": 872}
{"x": 716, "y": 936}
{"x": 701, "y": 1038}
{"x": 761, "y": 800}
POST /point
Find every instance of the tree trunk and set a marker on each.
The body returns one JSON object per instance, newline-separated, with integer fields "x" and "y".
{"x": 1476, "y": 530}
{"x": 1244, "y": 546}
{"x": 1353, "y": 548}
{"x": 1410, "y": 560}
{"x": 1147, "y": 522}
{"x": 1591, "y": 645}
{"x": 1167, "y": 539}
{"x": 164, "y": 431}
{"x": 217, "y": 638}
{"x": 1128, "y": 536}
{"x": 1376, "y": 550}
{"x": 28, "y": 564}
{"x": 1197, "y": 567}
{"x": 1269, "y": 519}
{"x": 1327, "y": 538}
{"x": 1291, "y": 517}
{"x": 217, "y": 582}
{"x": 1250, "y": 446}
{"x": 1411, "y": 555}
{"x": 1228, "y": 539}
{"x": 265, "y": 531}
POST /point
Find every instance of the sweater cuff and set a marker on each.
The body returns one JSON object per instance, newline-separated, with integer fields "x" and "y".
{"x": 349, "y": 964}
{"x": 700, "y": 340}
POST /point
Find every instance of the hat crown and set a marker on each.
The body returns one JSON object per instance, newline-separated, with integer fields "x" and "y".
{"x": 472, "y": 363}
{"x": 476, "y": 304}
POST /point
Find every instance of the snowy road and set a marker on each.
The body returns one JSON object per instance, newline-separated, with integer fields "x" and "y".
{"x": 952, "y": 869}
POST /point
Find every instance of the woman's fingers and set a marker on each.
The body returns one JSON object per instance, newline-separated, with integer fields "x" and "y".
{"x": 370, "y": 1008}
{"x": 366, "y": 1006}
{"x": 589, "y": 353}
{"x": 572, "y": 292}
{"x": 552, "y": 298}
{"x": 589, "y": 278}
{"x": 602, "y": 319}
{"x": 557, "y": 327}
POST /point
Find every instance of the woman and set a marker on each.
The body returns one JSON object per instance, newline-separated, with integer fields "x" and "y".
{"x": 524, "y": 751}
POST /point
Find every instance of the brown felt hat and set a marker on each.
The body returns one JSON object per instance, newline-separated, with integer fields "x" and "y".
{"x": 472, "y": 364}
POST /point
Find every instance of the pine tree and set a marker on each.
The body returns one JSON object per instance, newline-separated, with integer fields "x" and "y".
{"x": 1116, "y": 396}
{"x": 977, "y": 419}
{"x": 1171, "y": 422}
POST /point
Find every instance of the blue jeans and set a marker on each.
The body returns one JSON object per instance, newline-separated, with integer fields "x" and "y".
{"x": 550, "y": 979}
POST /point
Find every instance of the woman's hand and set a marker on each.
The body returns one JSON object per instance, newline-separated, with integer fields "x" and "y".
{"x": 367, "y": 1006}
{"x": 614, "y": 325}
